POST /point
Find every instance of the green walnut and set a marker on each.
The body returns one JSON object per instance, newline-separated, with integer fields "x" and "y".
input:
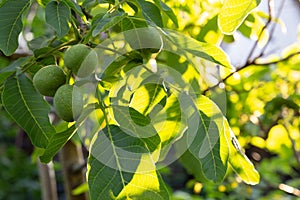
{"x": 68, "y": 102}
{"x": 81, "y": 59}
{"x": 48, "y": 79}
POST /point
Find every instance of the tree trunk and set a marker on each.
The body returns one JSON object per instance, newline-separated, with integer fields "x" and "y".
{"x": 72, "y": 162}
{"x": 48, "y": 181}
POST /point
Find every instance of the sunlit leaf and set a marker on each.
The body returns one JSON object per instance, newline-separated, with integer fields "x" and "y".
{"x": 204, "y": 141}
{"x": 148, "y": 185}
{"x": 115, "y": 159}
{"x": 28, "y": 108}
{"x": 136, "y": 125}
{"x": 210, "y": 145}
{"x": 11, "y": 24}
{"x": 183, "y": 44}
{"x": 239, "y": 161}
{"x": 233, "y": 14}
{"x": 146, "y": 97}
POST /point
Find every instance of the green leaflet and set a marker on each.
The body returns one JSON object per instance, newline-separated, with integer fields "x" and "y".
{"x": 11, "y": 24}
{"x": 167, "y": 10}
{"x": 138, "y": 126}
{"x": 119, "y": 164}
{"x": 58, "y": 15}
{"x": 56, "y": 142}
{"x": 107, "y": 22}
{"x": 10, "y": 69}
{"x": 106, "y": 183}
{"x": 233, "y": 14}
{"x": 28, "y": 108}
{"x": 74, "y": 6}
{"x": 182, "y": 44}
{"x": 208, "y": 147}
{"x": 239, "y": 161}
{"x": 151, "y": 12}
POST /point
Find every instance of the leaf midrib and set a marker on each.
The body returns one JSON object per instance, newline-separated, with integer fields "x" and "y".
{"x": 29, "y": 111}
{"x": 15, "y": 22}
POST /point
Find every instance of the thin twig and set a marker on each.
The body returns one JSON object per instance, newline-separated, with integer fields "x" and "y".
{"x": 255, "y": 62}
{"x": 271, "y": 32}
{"x": 250, "y": 62}
{"x": 270, "y": 8}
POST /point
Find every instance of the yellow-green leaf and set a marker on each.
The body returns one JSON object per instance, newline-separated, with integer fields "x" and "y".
{"x": 239, "y": 161}
{"x": 233, "y": 14}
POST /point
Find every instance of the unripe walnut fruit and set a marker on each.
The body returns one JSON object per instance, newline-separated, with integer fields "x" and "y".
{"x": 81, "y": 59}
{"x": 68, "y": 102}
{"x": 48, "y": 79}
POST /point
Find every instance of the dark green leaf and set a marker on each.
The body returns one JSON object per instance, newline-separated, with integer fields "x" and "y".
{"x": 56, "y": 142}
{"x": 11, "y": 24}
{"x": 74, "y": 6}
{"x": 107, "y": 22}
{"x": 166, "y": 9}
{"x": 28, "y": 108}
{"x": 58, "y": 15}
{"x": 151, "y": 12}
{"x": 129, "y": 23}
{"x": 10, "y": 69}
{"x": 193, "y": 166}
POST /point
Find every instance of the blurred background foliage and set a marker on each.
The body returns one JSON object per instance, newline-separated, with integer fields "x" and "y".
{"x": 262, "y": 105}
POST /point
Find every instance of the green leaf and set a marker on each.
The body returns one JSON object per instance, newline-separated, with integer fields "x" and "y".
{"x": 112, "y": 175}
{"x": 137, "y": 125}
{"x": 214, "y": 139}
{"x": 28, "y": 108}
{"x": 169, "y": 12}
{"x": 11, "y": 24}
{"x": 182, "y": 44}
{"x": 147, "y": 97}
{"x": 74, "y": 6}
{"x": 151, "y": 12}
{"x": 58, "y": 15}
{"x": 169, "y": 120}
{"x": 239, "y": 161}
{"x": 209, "y": 147}
{"x": 10, "y": 69}
{"x": 233, "y": 13}
{"x": 152, "y": 186}
{"x": 193, "y": 166}
{"x": 129, "y": 23}
{"x": 107, "y": 22}
{"x": 56, "y": 142}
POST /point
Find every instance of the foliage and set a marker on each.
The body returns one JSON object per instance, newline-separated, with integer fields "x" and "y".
{"x": 23, "y": 177}
{"x": 157, "y": 93}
